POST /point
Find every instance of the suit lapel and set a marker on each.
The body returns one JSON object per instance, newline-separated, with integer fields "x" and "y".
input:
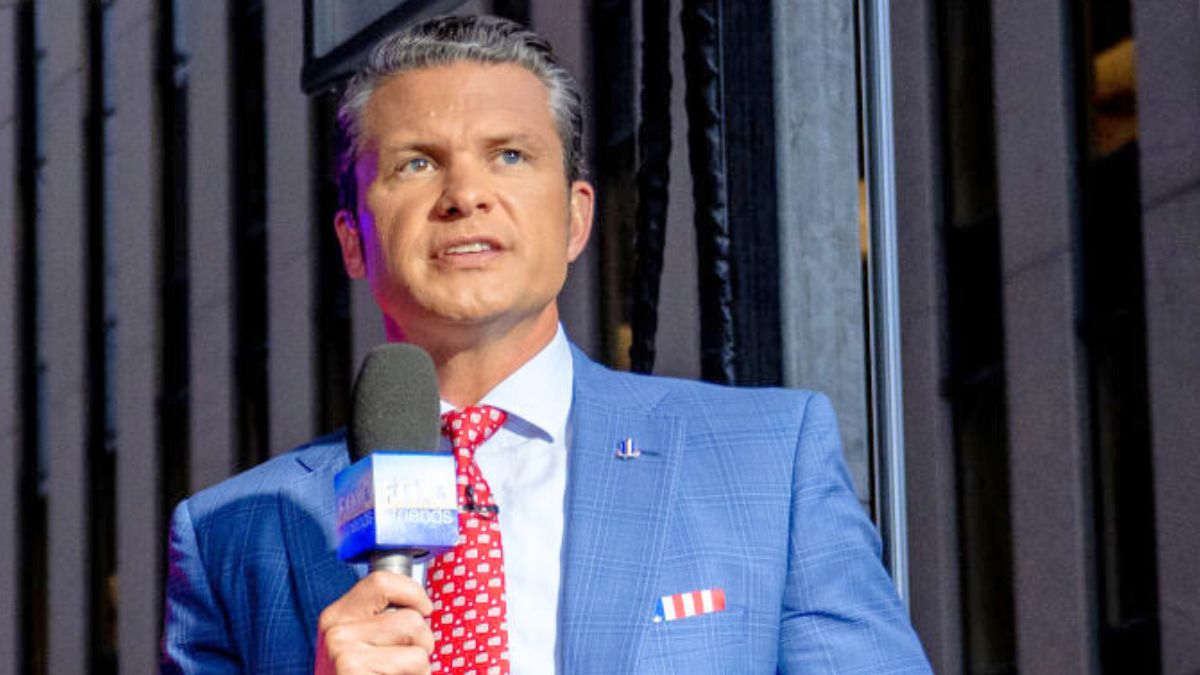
{"x": 616, "y": 519}
{"x": 310, "y": 540}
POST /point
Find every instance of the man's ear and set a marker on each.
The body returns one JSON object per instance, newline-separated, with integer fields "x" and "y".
{"x": 583, "y": 197}
{"x": 350, "y": 237}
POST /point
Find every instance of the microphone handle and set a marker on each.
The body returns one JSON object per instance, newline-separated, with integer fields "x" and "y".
{"x": 398, "y": 562}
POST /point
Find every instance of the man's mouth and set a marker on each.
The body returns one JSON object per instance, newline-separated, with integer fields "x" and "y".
{"x": 472, "y": 247}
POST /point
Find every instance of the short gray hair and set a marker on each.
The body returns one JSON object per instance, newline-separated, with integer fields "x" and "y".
{"x": 450, "y": 39}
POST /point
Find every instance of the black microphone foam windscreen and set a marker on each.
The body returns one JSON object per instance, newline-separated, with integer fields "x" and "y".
{"x": 395, "y": 405}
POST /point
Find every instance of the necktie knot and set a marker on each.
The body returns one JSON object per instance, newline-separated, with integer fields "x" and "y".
{"x": 468, "y": 428}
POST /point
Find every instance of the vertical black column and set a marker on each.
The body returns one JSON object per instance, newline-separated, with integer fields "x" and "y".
{"x": 747, "y": 64}
{"x": 731, "y": 138}
{"x": 613, "y": 159}
{"x": 101, "y": 429}
{"x": 249, "y": 232}
{"x": 32, "y": 468}
{"x": 701, "y": 21}
{"x": 653, "y": 174}
{"x": 975, "y": 318}
{"x": 332, "y": 330}
{"x": 171, "y": 69}
{"x": 1113, "y": 331}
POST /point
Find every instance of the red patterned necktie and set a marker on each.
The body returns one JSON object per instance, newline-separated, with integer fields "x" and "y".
{"x": 466, "y": 584}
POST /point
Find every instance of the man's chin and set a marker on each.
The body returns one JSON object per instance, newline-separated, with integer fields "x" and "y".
{"x": 483, "y": 320}
{"x": 462, "y": 320}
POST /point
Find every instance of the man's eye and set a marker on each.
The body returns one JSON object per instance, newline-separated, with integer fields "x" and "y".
{"x": 415, "y": 165}
{"x": 511, "y": 157}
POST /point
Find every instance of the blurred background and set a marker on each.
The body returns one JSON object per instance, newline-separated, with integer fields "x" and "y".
{"x": 975, "y": 225}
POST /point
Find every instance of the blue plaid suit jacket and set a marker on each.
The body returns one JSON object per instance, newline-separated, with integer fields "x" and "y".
{"x": 742, "y": 490}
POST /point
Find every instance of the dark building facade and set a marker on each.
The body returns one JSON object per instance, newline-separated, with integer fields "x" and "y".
{"x": 975, "y": 225}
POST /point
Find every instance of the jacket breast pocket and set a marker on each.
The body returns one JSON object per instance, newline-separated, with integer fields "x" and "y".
{"x": 706, "y": 643}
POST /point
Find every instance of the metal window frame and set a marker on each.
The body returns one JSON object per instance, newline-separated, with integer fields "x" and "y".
{"x": 887, "y": 403}
{"x": 322, "y": 72}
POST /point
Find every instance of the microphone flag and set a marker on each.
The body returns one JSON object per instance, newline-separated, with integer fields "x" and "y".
{"x": 397, "y": 501}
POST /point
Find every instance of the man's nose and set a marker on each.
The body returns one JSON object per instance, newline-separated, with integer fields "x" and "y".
{"x": 466, "y": 189}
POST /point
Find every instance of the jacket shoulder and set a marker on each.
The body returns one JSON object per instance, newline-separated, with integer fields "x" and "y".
{"x": 670, "y": 395}
{"x": 325, "y": 453}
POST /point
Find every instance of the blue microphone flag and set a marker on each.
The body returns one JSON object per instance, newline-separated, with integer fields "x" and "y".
{"x": 397, "y": 501}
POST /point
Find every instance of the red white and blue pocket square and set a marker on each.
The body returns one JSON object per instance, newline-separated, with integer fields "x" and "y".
{"x": 683, "y": 605}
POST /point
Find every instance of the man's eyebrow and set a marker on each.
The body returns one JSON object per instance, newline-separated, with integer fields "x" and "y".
{"x": 395, "y": 148}
{"x": 516, "y": 138}
{"x": 499, "y": 140}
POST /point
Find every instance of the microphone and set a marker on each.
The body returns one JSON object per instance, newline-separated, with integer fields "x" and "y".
{"x": 398, "y": 500}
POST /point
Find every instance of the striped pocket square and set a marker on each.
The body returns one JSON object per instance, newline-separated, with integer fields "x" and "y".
{"x": 683, "y": 605}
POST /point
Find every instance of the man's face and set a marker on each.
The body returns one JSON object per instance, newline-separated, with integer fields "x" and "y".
{"x": 465, "y": 214}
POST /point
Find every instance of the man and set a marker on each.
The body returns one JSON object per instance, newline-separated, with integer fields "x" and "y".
{"x": 647, "y": 525}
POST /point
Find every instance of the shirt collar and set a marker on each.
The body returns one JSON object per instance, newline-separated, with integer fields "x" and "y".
{"x": 537, "y": 396}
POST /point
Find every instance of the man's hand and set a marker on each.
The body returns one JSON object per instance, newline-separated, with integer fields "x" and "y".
{"x": 360, "y": 634}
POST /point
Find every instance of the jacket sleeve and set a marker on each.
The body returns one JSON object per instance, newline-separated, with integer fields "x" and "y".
{"x": 195, "y": 633}
{"x": 841, "y": 613}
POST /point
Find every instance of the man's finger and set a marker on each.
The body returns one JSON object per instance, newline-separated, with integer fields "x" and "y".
{"x": 404, "y": 627}
{"x": 405, "y": 660}
{"x": 373, "y": 595}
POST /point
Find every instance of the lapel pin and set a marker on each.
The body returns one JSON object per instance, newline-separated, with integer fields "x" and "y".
{"x": 625, "y": 450}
